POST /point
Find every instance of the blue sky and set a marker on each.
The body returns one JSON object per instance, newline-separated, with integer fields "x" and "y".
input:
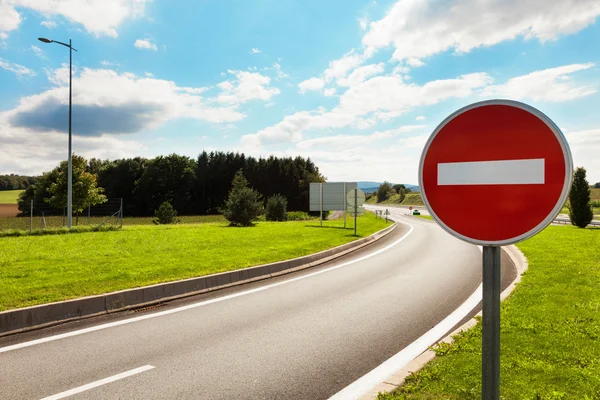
{"x": 357, "y": 86}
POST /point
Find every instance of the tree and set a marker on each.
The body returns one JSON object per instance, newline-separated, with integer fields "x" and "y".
{"x": 276, "y": 208}
{"x": 399, "y": 188}
{"x": 244, "y": 204}
{"x": 165, "y": 214}
{"x": 383, "y": 191}
{"x": 85, "y": 189}
{"x": 580, "y": 211}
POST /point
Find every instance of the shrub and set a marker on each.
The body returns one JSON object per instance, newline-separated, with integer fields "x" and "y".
{"x": 244, "y": 204}
{"x": 276, "y": 208}
{"x": 383, "y": 191}
{"x": 580, "y": 211}
{"x": 165, "y": 214}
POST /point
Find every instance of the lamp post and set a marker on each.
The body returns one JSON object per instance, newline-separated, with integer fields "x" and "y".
{"x": 70, "y": 162}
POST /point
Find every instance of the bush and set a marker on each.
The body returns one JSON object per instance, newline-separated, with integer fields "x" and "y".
{"x": 580, "y": 211}
{"x": 276, "y": 208}
{"x": 298, "y": 216}
{"x": 244, "y": 204}
{"x": 383, "y": 191}
{"x": 165, "y": 214}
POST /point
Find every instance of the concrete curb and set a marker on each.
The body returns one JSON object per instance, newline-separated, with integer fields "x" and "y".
{"x": 45, "y": 315}
{"x": 397, "y": 379}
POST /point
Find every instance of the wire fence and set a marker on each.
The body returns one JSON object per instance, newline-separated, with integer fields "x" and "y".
{"x": 41, "y": 215}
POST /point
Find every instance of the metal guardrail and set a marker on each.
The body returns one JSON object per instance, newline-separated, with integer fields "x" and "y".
{"x": 568, "y": 221}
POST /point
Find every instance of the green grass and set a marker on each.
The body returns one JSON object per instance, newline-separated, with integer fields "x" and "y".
{"x": 550, "y": 330}
{"x": 41, "y": 269}
{"x": 411, "y": 199}
{"x": 9, "y": 196}
{"x": 429, "y": 217}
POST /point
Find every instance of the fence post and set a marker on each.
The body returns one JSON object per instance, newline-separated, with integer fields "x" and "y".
{"x": 89, "y": 213}
{"x": 31, "y": 218}
{"x": 121, "y": 212}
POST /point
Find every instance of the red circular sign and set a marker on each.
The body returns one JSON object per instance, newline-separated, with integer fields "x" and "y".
{"x": 495, "y": 172}
{"x": 410, "y": 208}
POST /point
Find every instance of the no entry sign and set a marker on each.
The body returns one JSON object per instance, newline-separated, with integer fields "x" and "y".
{"x": 495, "y": 172}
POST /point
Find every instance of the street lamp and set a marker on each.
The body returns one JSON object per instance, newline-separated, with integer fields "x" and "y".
{"x": 70, "y": 163}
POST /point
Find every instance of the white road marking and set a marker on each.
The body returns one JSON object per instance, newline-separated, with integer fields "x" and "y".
{"x": 505, "y": 172}
{"x": 196, "y": 305}
{"x": 99, "y": 383}
{"x": 398, "y": 361}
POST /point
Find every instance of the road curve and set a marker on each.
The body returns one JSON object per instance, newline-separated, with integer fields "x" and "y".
{"x": 304, "y": 336}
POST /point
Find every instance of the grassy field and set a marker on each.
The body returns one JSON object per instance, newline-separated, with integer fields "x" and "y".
{"x": 41, "y": 269}
{"x": 411, "y": 199}
{"x": 9, "y": 196}
{"x": 550, "y": 330}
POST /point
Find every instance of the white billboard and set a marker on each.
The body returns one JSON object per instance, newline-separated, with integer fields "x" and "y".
{"x": 329, "y": 196}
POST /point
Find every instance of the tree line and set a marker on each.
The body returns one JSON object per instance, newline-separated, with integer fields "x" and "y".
{"x": 16, "y": 182}
{"x": 193, "y": 186}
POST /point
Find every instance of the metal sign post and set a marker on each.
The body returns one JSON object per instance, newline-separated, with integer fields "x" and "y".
{"x": 345, "y": 211}
{"x": 355, "y": 208}
{"x": 321, "y": 196}
{"x": 490, "y": 355}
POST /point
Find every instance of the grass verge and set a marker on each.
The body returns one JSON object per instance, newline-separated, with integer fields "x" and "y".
{"x": 411, "y": 199}
{"x": 550, "y": 330}
{"x": 9, "y": 196}
{"x": 42, "y": 269}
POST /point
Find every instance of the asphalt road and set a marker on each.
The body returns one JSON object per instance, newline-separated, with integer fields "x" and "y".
{"x": 307, "y": 337}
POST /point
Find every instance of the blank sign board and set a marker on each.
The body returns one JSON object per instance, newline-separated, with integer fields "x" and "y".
{"x": 332, "y": 194}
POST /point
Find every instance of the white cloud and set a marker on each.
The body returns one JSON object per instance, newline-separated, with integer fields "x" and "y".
{"x": 25, "y": 151}
{"x": 364, "y": 23}
{"x": 339, "y": 68}
{"x": 279, "y": 72}
{"x": 106, "y": 63}
{"x": 329, "y": 92}
{"x": 584, "y": 148}
{"x": 145, "y": 44}
{"x": 379, "y": 98}
{"x": 420, "y": 118}
{"x": 98, "y": 17}
{"x": 344, "y": 141}
{"x": 546, "y": 85}
{"x": 149, "y": 74}
{"x": 311, "y": 84}
{"x": 49, "y": 24}
{"x": 415, "y": 62}
{"x": 19, "y": 70}
{"x": 419, "y": 28}
{"x": 10, "y": 19}
{"x": 108, "y": 102}
{"x": 247, "y": 86}
{"x": 255, "y": 51}
{"x": 359, "y": 75}
{"x": 37, "y": 51}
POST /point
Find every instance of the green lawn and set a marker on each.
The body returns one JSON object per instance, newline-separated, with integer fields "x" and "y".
{"x": 550, "y": 330}
{"x": 429, "y": 217}
{"x": 9, "y": 196}
{"x": 41, "y": 269}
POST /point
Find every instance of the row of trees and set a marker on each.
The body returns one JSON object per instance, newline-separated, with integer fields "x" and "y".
{"x": 16, "y": 182}
{"x": 193, "y": 187}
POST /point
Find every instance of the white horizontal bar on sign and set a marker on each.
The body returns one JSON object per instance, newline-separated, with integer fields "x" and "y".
{"x": 504, "y": 172}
